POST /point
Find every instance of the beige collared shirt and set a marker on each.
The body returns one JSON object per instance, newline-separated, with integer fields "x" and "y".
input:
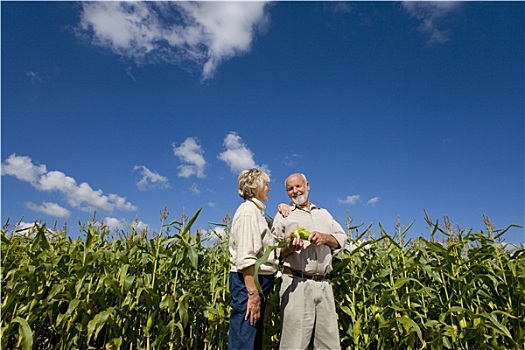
{"x": 311, "y": 259}
{"x": 250, "y": 236}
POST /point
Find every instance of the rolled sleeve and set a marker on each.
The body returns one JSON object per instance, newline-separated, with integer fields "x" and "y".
{"x": 339, "y": 235}
{"x": 248, "y": 241}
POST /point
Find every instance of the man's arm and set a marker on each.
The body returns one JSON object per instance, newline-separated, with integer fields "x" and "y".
{"x": 318, "y": 238}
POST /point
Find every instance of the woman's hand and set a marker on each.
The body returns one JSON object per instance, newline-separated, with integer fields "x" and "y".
{"x": 294, "y": 244}
{"x": 253, "y": 310}
{"x": 284, "y": 209}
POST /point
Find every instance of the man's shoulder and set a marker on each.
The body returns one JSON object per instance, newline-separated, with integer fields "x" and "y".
{"x": 316, "y": 210}
{"x": 278, "y": 217}
{"x": 281, "y": 220}
{"x": 319, "y": 208}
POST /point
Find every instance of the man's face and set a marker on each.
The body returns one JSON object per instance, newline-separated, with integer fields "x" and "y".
{"x": 297, "y": 189}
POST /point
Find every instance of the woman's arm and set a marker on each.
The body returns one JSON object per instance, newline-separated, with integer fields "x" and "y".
{"x": 253, "y": 309}
{"x": 296, "y": 244}
{"x": 284, "y": 209}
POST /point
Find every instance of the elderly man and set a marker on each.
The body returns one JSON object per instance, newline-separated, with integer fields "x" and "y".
{"x": 308, "y": 312}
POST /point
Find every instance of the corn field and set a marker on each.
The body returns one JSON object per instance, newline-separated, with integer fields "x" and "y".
{"x": 169, "y": 289}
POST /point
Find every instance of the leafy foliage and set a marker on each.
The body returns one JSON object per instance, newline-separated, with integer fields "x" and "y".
{"x": 466, "y": 292}
{"x": 169, "y": 290}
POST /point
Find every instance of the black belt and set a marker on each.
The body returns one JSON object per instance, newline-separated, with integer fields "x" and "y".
{"x": 316, "y": 277}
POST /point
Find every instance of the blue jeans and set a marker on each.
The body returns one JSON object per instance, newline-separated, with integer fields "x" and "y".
{"x": 244, "y": 336}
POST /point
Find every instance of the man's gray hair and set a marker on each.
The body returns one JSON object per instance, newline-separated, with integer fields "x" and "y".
{"x": 301, "y": 174}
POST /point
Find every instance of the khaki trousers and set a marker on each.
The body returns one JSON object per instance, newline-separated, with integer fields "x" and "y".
{"x": 308, "y": 316}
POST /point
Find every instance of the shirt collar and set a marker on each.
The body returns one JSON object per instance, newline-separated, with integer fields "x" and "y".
{"x": 260, "y": 205}
{"x": 295, "y": 206}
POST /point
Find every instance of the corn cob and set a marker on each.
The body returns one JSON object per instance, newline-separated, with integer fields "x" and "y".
{"x": 301, "y": 233}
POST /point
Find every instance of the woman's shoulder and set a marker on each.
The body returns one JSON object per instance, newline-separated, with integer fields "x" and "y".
{"x": 246, "y": 207}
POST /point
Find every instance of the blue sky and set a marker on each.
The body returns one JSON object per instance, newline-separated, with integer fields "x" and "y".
{"x": 389, "y": 108}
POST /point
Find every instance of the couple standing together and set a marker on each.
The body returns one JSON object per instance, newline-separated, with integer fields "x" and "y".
{"x": 308, "y": 316}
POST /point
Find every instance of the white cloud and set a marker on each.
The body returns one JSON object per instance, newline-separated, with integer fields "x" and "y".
{"x": 150, "y": 179}
{"x": 342, "y": 7}
{"x": 25, "y": 228}
{"x": 291, "y": 161}
{"x": 202, "y": 33}
{"x": 190, "y": 152}
{"x": 51, "y": 209}
{"x": 34, "y": 77}
{"x": 215, "y": 235}
{"x": 194, "y": 189}
{"x": 238, "y": 156}
{"x": 23, "y": 169}
{"x": 432, "y": 15}
{"x": 115, "y": 224}
{"x": 349, "y": 200}
{"x": 80, "y": 196}
{"x": 139, "y": 225}
{"x": 24, "y": 225}
{"x": 373, "y": 201}
{"x": 30, "y": 229}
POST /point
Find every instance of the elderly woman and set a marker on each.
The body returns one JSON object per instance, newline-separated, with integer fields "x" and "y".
{"x": 250, "y": 236}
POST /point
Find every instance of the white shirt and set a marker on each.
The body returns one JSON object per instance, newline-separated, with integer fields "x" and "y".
{"x": 311, "y": 259}
{"x": 250, "y": 236}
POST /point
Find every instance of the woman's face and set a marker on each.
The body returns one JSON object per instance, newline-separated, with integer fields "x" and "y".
{"x": 263, "y": 193}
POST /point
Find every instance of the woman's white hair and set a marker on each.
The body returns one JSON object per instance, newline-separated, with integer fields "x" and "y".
{"x": 250, "y": 182}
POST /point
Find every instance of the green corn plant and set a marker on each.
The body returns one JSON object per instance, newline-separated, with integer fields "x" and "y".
{"x": 454, "y": 289}
{"x": 465, "y": 292}
{"x": 299, "y": 232}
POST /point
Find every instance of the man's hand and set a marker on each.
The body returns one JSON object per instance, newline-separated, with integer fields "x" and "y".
{"x": 317, "y": 238}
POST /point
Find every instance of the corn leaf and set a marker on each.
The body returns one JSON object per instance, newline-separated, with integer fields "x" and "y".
{"x": 24, "y": 332}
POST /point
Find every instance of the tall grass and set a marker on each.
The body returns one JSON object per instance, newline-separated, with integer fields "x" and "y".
{"x": 133, "y": 291}
{"x": 465, "y": 291}
{"x": 169, "y": 289}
